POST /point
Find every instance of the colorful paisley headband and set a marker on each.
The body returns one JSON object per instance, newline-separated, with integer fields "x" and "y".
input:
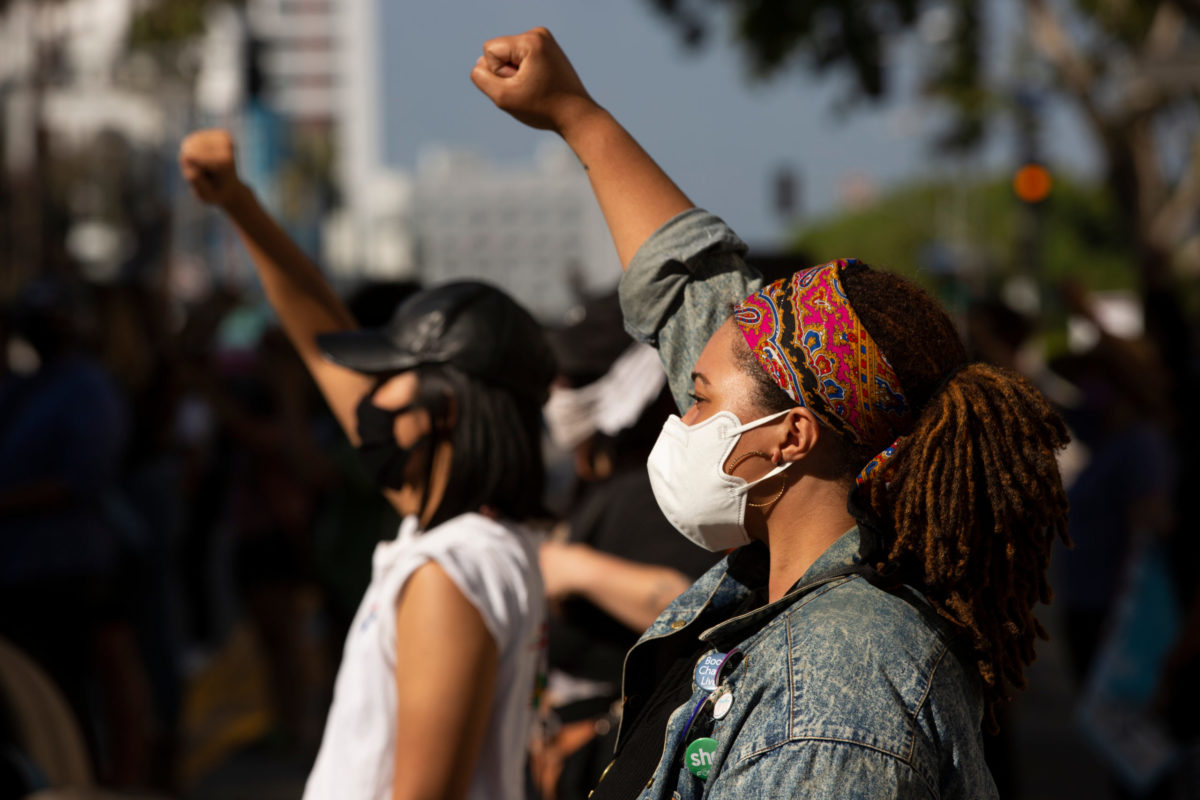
{"x": 804, "y": 333}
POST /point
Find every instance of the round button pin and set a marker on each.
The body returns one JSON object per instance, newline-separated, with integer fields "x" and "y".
{"x": 722, "y": 705}
{"x": 699, "y": 756}
{"x": 707, "y": 669}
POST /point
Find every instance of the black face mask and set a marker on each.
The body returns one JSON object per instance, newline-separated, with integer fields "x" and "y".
{"x": 384, "y": 459}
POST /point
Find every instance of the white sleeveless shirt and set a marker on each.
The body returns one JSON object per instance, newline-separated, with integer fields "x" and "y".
{"x": 494, "y": 564}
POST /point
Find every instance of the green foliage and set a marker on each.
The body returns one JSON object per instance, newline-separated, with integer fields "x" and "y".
{"x": 954, "y": 74}
{"x": 1083, "y": 235}
{"x": 1127, "y": 22}
{"x": 171, "y": 22}
{"x": 850, "y": 34}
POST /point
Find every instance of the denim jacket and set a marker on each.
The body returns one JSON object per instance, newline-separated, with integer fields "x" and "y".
{"x": 844, "y": 687}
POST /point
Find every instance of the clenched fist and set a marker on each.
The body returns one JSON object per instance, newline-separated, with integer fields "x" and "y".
{"x": 206, "y": 160}
{"x": 529, "y": 76}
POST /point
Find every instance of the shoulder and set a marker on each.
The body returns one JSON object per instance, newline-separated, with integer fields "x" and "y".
{"x": 877, "y": 669}
{"x": 888, "y": 649}
{"x": 429, "y": 587}
{"x": 493, "y": 564}
{"x": 475, "y": 537}
{"x": 866, "y": 625}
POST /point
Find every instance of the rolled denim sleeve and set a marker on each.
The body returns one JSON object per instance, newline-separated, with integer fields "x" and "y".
{"x": 822, "y": 770}
{"x": 679, "y": 287}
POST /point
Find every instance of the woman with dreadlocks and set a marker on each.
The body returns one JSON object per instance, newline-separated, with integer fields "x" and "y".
{"x": 892, "y": 506}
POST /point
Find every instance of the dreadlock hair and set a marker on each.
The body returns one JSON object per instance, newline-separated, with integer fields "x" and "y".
{"x": 972, "y": 501}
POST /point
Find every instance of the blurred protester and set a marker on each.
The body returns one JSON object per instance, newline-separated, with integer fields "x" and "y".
{"x": 64, "y": 429}
{"x": 135, "y": 346}
{"x": 278, "y": 475}
{"x": 1124, "y": 523}
{"x": 616, "y": 562}
{"x": 997, "y": 334}
{"x": 434, "y": 694}
{"x": 1127, "y": 487}
{"x": 206, "y": 454}
{"x": 1176, "y": 335}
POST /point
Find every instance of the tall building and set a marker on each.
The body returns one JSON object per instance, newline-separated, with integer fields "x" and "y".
{"x": 532, "y": 228}
{"x": 535, "y": 230}
{"x": 296, "y": 47}
{"x": 369, "y": 236}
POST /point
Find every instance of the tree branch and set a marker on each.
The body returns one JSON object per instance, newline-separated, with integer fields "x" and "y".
{"x": 1166, "y": 32}
{"x": 1051, "y": 40}
{"x": 1171, "y": 223}
{"x": 1151, "y": 185}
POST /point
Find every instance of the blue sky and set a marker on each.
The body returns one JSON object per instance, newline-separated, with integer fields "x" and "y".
{"x": 719, "y": 135}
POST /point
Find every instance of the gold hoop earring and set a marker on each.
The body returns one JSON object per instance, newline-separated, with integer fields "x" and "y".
{"x": 782, "y": 478}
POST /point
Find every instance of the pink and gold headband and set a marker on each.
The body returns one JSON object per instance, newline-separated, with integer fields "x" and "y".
{"x": 805, "y": 334}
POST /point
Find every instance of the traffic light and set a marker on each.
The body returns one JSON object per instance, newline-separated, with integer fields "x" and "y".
{"x": 1032, "y": 183}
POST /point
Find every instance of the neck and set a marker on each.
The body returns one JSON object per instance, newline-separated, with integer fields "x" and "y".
{"x": 809, "y": 518}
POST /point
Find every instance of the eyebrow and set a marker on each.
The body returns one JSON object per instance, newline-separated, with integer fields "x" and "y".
{"x": 697, "y": 376}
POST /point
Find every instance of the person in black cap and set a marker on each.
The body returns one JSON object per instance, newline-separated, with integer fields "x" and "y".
{"x": 434, "y": 693}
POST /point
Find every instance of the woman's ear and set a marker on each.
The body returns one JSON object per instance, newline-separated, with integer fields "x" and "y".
{"x": 799, "y": 432}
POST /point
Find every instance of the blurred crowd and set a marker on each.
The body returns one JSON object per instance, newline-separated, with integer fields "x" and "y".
{"x": 166, "y": 486}
{"x": 185, "y": 534}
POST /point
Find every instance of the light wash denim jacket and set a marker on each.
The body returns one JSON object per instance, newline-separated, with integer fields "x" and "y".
{"x": 845, "y": 689}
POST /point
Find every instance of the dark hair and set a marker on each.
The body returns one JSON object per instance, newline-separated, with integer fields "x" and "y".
{"x": 972, "y": 501}
{"x": 495, "y": 435}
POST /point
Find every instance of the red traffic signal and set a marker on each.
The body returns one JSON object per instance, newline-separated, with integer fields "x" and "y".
{"x": 1032, "y": 183}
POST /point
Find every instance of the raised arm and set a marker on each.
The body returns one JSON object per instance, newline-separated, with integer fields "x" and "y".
{"x": 296, "y": 289}
{"x": 530, "y": 77}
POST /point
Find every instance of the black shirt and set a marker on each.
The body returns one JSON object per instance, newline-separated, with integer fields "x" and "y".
{"x": 642, "y": 748}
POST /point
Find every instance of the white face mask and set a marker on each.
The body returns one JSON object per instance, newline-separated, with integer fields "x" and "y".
{"x": 697, "y": 496}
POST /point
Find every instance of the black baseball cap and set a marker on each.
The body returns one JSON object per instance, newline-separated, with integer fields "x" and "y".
{"x": 470, "y": 325}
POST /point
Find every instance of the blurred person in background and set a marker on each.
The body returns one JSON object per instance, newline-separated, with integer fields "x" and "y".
{"x": 1176, "y": 336}
{"x": 278, "y": 475}
{"x": 141, "y": 351}
{"x": 206, "y": 453}
{"x": 616, "y": 562}
{"x": 893, "y": 504}
{"x": 67, "y": 531}
{"x": 1124, "y": 523}
{"x": 434, "y": 694}
{"x": 1126, "y": 489}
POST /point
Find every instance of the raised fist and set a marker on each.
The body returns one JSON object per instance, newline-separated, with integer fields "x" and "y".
{"x": 529, "y": 76}
{"x": 206, "y": 160}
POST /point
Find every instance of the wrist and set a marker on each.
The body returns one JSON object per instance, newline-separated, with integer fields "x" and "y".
{"x": 240, "y": 198}
{"x": 578, "y": 117}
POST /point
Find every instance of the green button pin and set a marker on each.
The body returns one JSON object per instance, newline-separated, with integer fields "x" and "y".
{"x": 699, "y": 756}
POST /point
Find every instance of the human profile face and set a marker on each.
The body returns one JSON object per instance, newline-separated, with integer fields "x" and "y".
{"x": 720, "y": 383}
{"x": 409, "y": 427}
{"x": 397, "y": 392}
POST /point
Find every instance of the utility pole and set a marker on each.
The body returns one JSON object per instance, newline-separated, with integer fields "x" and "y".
{"x": 1031, "y": 182}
